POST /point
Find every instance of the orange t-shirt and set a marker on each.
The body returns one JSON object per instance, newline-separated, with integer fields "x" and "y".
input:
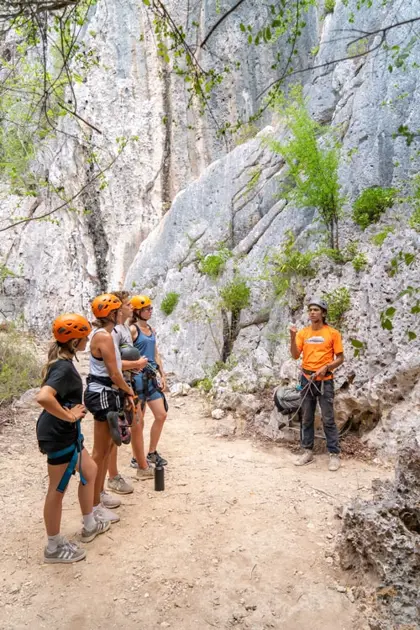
{"x": 318, "y": 346}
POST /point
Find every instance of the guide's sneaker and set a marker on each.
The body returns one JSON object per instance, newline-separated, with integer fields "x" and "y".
{"x": 334, "y": 463}
{"x": 101, "y": 527}
{"x": 119, "y": 485}
{"x": 306, "y": 458}
{"x": 145, "y": 473}
{"x": 66, "y": 553}
{"x": 104, "y": 514}
{"x": 155, "y": 458}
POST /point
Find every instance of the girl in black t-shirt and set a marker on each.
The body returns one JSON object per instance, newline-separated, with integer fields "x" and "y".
{"x": 59, "y": 437}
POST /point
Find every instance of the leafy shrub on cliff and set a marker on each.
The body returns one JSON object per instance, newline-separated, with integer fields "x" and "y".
{"x": 329, "y": 6}
{"x": 371, "y": 204}
{"x": 235, "y": 295}
{"x": 288, "y": 264}
{"x": 20, "y": 370}
{"x": 339, "y": 303}
{"x": 312, "y": 155}
{"x": 359, "y": 262}
{"x": 169, "y": 302}
{"x": 212, "y": 265}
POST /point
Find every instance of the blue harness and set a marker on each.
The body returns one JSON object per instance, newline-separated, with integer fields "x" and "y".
{"x": 75, "y": 449}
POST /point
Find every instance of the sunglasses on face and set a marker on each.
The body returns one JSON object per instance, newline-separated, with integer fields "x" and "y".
{"x": 147, "y": 308}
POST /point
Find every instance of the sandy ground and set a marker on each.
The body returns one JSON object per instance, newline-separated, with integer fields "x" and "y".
{"x": 240, "y": 538}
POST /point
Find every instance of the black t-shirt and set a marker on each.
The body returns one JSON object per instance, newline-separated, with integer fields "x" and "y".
{"x": 66, "y": 380}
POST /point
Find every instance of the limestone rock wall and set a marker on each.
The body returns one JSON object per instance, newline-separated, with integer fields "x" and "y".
{"x": 377, "y": 388}
{"x": 221, "y": 194}
{"x": 131, "y": 93}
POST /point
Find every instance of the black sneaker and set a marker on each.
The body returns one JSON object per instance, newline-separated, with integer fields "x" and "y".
{"x": 155, "y": 458}
{"x": 134, "y": 463}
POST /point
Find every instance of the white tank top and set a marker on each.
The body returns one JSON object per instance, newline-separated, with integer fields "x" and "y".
{"x": 97, "y": 367}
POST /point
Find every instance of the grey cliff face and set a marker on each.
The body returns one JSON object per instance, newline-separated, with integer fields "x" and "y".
{"x": 178, "y": 192}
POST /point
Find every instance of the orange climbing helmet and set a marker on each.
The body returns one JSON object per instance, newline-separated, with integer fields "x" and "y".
{"x": 70, "y": 326}
{"x": 103, "y": 304}
{"x": 140, "y": 301}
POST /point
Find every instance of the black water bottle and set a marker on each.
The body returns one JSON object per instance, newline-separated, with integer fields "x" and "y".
{"x": 159, "y": 478}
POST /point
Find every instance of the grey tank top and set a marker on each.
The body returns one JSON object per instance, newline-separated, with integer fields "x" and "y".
{"x": 97, "y": 367}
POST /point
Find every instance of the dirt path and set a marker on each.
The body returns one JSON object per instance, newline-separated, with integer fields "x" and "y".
{"x": 240, "y": 538}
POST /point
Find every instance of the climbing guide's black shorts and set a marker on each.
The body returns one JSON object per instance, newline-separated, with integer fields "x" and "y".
{"x": 50, "y": 447}
{"x": 100, "y": 403}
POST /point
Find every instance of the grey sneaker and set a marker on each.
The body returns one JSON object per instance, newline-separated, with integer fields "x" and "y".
{"x": 306, "y": 458}
{"x": 145, "y": 473}
{"x": 334, "y": 463}
{"x": 101, "y": 527}
{"x": 109, "y": 501}
{"x": 157, "y": 459}
{"x": 119, "y": 485}
{"x": 104, "y": 514}
{"x": 66, "y": 553}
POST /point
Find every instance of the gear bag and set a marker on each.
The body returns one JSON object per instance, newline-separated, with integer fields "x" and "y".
{"x": 287, "y": 400}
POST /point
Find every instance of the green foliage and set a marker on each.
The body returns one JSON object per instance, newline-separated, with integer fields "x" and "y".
{"x": 245, "y": 132}
{"x": 175, "y": 328}
{"x": 379, "y": 238}
{"x": 315, "y": 50}
{"x": 254, "y": 179}
{"x": 235, "y": 295}
{"x": 359, "y": 47}
{"x": 289, "y": 264}
{"x": 212, "y": 265}
{"x": 343, "y": 256}
{"x": 313, "y": 165}
{"x": 414, "y": 221}
{"x": 371, "y": 204}
{"x": 360, "y": 262}
{"x": 406, "y": 258}
{"x": 329, "y": 6}
{"x": 205, "y": 384}
{"x": 358, "y": 346}
{"x": 339, "y": 303}
{"x": 169, "y": 302}
{"x": 19, "y": 367}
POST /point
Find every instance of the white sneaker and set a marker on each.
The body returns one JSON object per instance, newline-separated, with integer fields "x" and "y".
{"x": 305, "y": 458}
{"x": 109, "y": 501}
{"x": 104, "y": 514}
{"x": 334, "y": 463}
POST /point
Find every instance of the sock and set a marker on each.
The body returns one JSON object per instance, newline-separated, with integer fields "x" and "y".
{"x": 53, "y": 542}
{"x": 89, "y": 521}
{"x": 95, "y": 507}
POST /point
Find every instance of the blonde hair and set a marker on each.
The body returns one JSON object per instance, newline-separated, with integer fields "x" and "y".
{"x": 121, "y": 295}
{"x": 58, "y": 351}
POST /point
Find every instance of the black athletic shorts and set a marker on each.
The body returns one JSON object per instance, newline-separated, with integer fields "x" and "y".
{"x": 100, "y": 403}
{"x": 47, "y": 447}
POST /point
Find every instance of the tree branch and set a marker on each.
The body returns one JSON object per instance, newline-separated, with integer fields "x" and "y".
{"x": 66, "y": 203}
{"x": 219, "y": 21}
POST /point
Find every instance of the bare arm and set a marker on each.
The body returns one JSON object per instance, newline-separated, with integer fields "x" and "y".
{"x": 105, "y": 346}
{"x": 48, "y": 401}
{"x": 134, "y": 366}
{"x": 294, "y": 350}
{"x": 158, "y": 360}
{"x": 339, "y": 359}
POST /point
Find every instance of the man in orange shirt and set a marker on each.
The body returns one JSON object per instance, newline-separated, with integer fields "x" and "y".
{"x": 322, "y": 350}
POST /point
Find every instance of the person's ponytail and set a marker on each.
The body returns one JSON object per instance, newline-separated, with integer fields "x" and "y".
{"x": 57, "y": 351}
